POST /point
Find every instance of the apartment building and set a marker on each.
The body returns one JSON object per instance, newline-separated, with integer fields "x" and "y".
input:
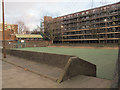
{"x": 97, "y": 25}
{"x": 10, "y": 31}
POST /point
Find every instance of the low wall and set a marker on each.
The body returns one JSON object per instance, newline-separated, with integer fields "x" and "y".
{"x": 37, "y": 43}
{"x": 45, "y": 58}
{"x": 71, "y": 65}
{"x": 15, "y": 44}
{"x": 86, "y": 45}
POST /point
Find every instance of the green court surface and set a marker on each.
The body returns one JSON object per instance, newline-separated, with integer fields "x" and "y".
{"x": 104, "y": 59}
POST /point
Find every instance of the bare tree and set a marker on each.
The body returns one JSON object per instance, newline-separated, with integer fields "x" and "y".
{"x": 96, "y": 35}
{"x": 26, "y": 30}
{"x": 37, "y": 30}
{"x": 50, "y": 29}
{"x": 23, "y": 29}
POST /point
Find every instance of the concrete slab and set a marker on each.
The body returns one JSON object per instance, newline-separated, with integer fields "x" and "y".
{"x": 69, "y": 66}
{"x": 15, "y": 77}
{"x": 35, "y": 67}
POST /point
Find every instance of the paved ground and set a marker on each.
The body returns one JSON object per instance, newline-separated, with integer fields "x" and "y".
{"x": 44, "y": 70}
{"x": 16, "y": 77}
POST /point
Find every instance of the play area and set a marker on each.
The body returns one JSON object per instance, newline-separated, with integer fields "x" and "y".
{"x": 104, "y": 59}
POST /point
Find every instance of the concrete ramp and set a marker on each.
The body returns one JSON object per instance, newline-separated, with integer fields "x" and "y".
{"x": 54, "y": 66}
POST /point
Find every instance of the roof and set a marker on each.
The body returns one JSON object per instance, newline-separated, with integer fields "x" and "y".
{"x": 28, "y": 36}
{"x": 89, "y": 9}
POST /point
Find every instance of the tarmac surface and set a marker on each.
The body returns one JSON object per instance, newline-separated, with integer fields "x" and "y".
{"x": 44, "y": 70}
{"x": 104, "y": 59}
{"x": 18, "y": 77}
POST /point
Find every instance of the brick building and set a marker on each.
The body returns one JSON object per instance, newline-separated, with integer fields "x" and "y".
{"x": 97, "y": 25}
{"x": 10, "y": 31}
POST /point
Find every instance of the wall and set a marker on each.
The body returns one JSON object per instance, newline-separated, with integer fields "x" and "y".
{"x": 15, "y": 44}
{"x": 10, "y": 31}
{"x": 71, "y": 66}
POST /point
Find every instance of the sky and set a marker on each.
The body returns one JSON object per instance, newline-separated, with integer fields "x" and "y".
{"x": 32, "y": 11}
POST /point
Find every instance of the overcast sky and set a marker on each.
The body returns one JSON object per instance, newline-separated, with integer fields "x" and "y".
{"x": 31, "y": 11}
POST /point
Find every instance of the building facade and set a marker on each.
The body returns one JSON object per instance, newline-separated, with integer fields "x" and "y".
{"x": 10, "y": 31}
{"x": 98, "y": 25}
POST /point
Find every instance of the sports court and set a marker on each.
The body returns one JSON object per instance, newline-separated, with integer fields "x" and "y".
{"x": 104, "y": 59}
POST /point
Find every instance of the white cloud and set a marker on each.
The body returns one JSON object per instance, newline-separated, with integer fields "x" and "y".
{"x": 31, "y": 11}
{"x": 33, "y": 0}
{"x": 60, "y": 0}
